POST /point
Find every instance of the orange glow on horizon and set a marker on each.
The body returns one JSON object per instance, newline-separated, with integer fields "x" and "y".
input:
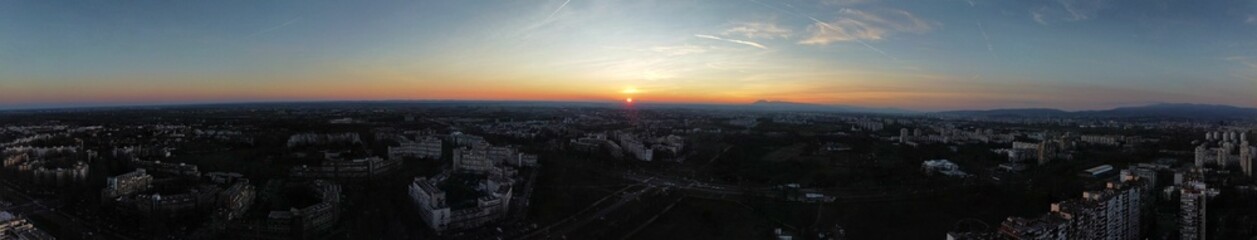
{"x": 390, "y": 85}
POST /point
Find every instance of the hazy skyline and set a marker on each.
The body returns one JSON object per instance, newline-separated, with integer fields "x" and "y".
{"x": 919, "y": 55}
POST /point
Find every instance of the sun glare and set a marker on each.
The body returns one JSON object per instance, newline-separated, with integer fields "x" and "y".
{"x": 630, "y": 90}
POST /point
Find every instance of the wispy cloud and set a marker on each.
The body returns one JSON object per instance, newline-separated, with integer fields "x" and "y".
{"x": 867, "y": 45}
{"x": 743, "y": 42}
{"x": 1039, "y": 16}
{"x": 856, "y": 25}
{"x": 821, "y": 25}
{"x": 276, "y": 27}
{"x": 1247, "y": 61}
{"x": 681, "y": 50}
{"x": 844, "y": 2}
{"x": 1082, "y": 9}
{"x": 1069, "y": 11}
{"x": 762, "y": 29}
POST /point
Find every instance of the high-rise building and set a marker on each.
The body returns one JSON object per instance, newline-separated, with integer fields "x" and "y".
{"x": 903, "y": 135}
{"x": 1246, "y": 158}
{"x": 1047, "y": 151}
{"x": 1046, "y": 227}
{"x": 1192, "y": 201}
{"x": 1112, "y": 213}
{"x": 1202, "y": 155}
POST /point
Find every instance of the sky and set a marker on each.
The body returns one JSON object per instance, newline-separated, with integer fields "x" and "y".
{"x": 911, "y": 54}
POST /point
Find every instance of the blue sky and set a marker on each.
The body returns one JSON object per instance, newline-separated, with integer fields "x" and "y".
{"x": 922, "y": 55}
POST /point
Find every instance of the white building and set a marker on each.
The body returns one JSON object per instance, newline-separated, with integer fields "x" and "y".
{"x": 431, "y": 203}
{"x": 436, "y": 212}
{"x": 473, "y": 159}
{"x": 1246, "y": 158}
{"x": 426, "y": 148}
{"x": 635, "y": 147}
{"x": 1025, "y": 145}
{"x": 18, "y": 228}
{"x": 339, "y": 168}
{"x": 942, "y": 166}
{"x": 868, "y": 125}
{"x": 126, "y": 184}
{"x": 462, "y": 139}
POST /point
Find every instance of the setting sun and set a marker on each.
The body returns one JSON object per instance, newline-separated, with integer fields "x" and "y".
{"x": 628, "y": 100}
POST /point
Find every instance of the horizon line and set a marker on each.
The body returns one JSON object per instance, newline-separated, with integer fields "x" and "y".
{"x": 90, "y": 106}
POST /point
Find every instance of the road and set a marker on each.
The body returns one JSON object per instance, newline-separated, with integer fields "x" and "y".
{"x": 695, "y": 188}
{"x": 646, "y": 184}
{"x": 596, "y": 210}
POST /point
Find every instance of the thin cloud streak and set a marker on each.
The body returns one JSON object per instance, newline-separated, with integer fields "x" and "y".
{"x": 831, "y": 27}
{"x": 556, "y": 11}
{"x": 277, "y": 27}
{"x": 766, "y": 30}
{"x": 748, "y": 43}
{"x": 986, "y": 37}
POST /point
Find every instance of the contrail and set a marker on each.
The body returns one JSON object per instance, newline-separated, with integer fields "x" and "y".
{"x": 556, "y": 11}
{"x": 268, "y": 30}
{"x": 857, "y": 39}
{"x": 748, "y": 43}
{"x": 984, "y": 36}
{"x": 826, "y": 25}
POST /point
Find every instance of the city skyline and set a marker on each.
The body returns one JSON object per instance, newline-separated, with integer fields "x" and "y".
{"x": 939, "y": 55}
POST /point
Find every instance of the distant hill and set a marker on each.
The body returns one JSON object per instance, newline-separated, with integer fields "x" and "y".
{"x": 766, "y": 105}
{"x": 1164, "y": 110}
{"x": 1017, "y": 112}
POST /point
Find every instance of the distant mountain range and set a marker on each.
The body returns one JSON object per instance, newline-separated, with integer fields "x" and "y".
{"x": 1164, "y": 110}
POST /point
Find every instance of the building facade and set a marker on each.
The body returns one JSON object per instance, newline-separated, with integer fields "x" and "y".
{"x": 437, "y": 214}
{"x": 349, "y": 169}
{"x": 1110, "y": 214}
{"x": 126, "y": 184}
{"x": 473, "y": 159}
{"x": 425, "y": 148}
{"x": 19, "y": 228}
{"x": 1192, "y": 205}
